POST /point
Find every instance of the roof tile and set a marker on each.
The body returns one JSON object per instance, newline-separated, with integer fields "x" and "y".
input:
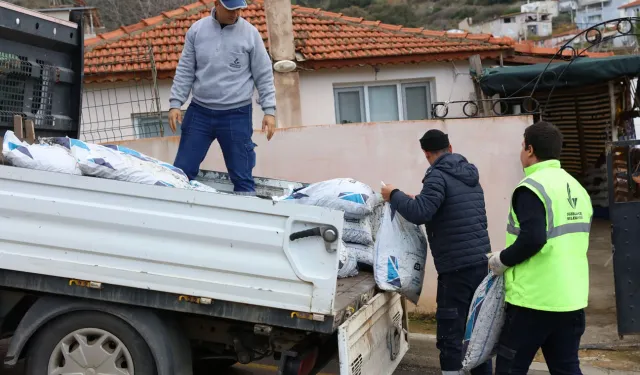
{"x": 153, "y": 20}
{"x": 387, "y": 26}
{"x": 319, "y": 36}
{"x": 173, "y": 13}
{"x": 433, "y": 33}
{"x": 112, "y": 34}
{"x": 630, "y": 4}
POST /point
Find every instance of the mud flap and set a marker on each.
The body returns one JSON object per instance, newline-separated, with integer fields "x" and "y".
{"x": 375, "y": 339}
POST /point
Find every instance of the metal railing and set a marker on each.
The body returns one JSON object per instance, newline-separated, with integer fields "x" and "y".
{"x": 121, "y": 101}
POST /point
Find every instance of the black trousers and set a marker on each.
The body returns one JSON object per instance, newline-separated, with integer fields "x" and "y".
{"x": 526, "y": 331}
{"x": 455, "y": 292}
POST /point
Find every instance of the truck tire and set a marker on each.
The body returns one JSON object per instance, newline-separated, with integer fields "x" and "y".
{"x": 89, "y": 342}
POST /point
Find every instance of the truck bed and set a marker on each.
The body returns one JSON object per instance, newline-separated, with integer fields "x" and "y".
{"x": 211, "y": 254}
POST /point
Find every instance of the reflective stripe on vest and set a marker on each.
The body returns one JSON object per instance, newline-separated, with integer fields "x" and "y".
{"x": 552, "y": 231}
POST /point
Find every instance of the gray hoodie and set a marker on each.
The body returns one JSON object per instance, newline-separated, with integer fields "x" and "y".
{"x": 222, "y": 66}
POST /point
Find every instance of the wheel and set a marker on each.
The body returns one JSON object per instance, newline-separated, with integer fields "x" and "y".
{"x": 211, "y": 366}
{"x": 89, "y": 343}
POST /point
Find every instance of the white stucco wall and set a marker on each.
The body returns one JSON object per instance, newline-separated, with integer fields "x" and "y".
{"x": 108, "y": 107}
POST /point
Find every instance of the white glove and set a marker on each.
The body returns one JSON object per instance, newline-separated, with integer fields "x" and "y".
{"x": 495, "y": 264}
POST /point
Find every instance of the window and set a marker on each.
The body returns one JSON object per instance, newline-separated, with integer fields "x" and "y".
{"x": 383, "y": 102}
{"x": 595, "y": 19}
{"x": 149, "y": 125}
{"x": 349, "y": 105}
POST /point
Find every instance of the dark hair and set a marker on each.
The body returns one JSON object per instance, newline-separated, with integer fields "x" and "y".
{"x": 546, "y": 140}
{"x": 443, "y": 151}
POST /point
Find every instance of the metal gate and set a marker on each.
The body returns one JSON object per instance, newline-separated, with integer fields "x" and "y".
{"x": 121, "y": 100}
{"x": 623, "y": 165}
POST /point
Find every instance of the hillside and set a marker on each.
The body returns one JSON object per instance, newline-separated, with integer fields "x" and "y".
{"x": 431, "y": 14}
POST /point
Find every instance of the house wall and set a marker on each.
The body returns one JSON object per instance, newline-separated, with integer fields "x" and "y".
{"x": 544, "y": 28}
{"x": 516, "y": 30}
{"x": 558, "y": 41}
{"x": 550, "y": 7}
{"x": 108, "y": 107}
{"x": 630, "y": 12}
{"x": 498, "y": 28}
{"x": 384, "y": 151}
{"x": 606, "y": 10}
{"x": 316, "y": 87}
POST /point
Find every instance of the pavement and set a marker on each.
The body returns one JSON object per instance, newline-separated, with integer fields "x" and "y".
{"x": 421, "y": 359}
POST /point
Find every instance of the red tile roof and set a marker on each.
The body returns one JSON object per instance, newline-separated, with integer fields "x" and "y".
{"x": 630, "y": 5}
{"x": 322, "y": 39}
{"x": 528, "y": 53}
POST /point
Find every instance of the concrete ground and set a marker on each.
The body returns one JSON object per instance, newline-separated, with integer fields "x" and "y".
{"x": 422, "y": 359}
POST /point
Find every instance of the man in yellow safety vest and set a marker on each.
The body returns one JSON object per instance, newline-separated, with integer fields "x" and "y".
{"x": 545, "y": 262}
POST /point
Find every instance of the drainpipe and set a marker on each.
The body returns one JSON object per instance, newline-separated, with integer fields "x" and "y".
{"x": 282, "y": 49}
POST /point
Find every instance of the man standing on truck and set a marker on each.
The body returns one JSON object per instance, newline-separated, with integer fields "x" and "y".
{"x": 451, "y": 205}
{"x": 547, "y": 271}
{"x": 223, "y": 59}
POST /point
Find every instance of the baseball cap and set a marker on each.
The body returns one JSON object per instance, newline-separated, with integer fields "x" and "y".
{"x": 234, "y": 4}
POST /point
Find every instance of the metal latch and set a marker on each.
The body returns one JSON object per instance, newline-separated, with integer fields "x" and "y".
{"x": 328, "y": 233}
{"x": 393, "y": 341}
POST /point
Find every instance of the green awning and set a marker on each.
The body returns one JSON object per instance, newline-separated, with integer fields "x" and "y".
{"x": 584, "y": 71}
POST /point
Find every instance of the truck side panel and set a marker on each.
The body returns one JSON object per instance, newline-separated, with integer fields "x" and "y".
{"x": 218, "y": 246}
{"x": 375, "y": 339}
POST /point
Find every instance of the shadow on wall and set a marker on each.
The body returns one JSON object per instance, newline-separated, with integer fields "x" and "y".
{"x": 387, "y": 151}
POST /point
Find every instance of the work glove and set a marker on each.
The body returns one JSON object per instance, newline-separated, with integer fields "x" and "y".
{"x": 495, "y": 264}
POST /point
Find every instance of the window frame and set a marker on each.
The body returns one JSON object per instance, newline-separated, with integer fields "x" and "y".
{"x": 363, "y": 102}
{"x": 427, "y": 86}
{"x": 383, "y": 84}
{"x": 135, "y": 117}
{"x": 363, "y": 90}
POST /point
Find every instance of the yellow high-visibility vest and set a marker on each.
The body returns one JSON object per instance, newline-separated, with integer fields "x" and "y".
{"x": 557, "y": 277}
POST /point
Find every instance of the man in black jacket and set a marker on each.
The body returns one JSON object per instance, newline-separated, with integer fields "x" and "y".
{"x": 451, "y": 205}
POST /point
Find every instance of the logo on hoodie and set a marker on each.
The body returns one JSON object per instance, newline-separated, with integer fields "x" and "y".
{"x": 235, "y": 64}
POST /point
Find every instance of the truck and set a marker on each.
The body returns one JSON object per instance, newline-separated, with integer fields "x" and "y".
{"x": 111, "y": 277}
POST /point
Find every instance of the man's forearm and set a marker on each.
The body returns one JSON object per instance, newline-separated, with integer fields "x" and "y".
{"x": 531, "y": 215}
{"x": 409, "y": 208}
{"x": 263, "y": 76}
{"x": 181, "y": 87}
{"x": 185, "y": 73}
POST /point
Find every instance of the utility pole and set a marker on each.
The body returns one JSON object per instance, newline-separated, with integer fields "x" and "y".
{"x": 282, "y": 49}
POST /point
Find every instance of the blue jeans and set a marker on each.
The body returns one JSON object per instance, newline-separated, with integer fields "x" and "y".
{"x": 233, "y": 129}
{"x": 455, "y": 294}
{"x": 526, "y": 330}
